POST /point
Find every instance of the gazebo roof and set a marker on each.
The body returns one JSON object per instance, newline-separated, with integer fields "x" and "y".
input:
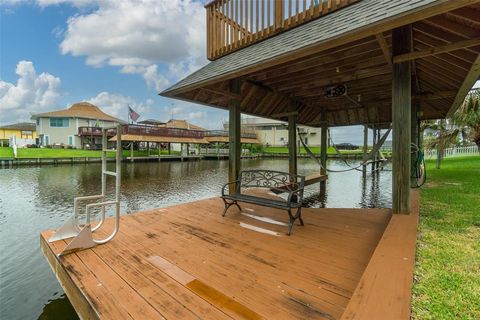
{"x": 352, "y": 47}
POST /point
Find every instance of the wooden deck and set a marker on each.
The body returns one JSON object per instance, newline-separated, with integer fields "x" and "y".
{"x": 187, "y": 261}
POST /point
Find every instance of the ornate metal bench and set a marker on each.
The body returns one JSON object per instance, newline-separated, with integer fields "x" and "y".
{"x": 272, "y": 180}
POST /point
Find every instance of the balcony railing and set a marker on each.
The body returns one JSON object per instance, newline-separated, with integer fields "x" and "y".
{"x": 94, "y": 131}
{"x": 224, "y": 133}
{"x": 234, "y": 24}
{"x": 161, "y": 131}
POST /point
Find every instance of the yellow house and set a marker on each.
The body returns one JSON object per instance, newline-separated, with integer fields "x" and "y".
{"x": 22, "y": 130}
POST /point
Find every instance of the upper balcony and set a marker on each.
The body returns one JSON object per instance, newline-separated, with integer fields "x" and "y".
{"x": 234, "y": 24}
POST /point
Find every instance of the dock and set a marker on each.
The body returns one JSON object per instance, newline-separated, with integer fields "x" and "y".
{"x": 189, "y": 262}
{"x": 164, "y": 158}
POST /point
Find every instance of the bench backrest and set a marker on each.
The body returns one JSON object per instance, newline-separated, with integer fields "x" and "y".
{"x": 270, "y": 179}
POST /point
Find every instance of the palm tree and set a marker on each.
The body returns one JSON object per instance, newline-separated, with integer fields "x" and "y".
{"x": 467, "y": 117}
{"x": 443, "y": 134}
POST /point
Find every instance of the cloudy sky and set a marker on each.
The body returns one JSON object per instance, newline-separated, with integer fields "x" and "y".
{"x": 108, "y": 52}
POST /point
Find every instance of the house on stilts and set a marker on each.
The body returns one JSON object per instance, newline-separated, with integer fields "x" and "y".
{"x": 317, "y": 63}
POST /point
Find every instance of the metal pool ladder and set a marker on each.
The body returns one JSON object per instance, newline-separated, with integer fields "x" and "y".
{"x": 83, "y": 234}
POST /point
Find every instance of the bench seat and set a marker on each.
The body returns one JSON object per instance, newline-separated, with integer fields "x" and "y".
{"x": 279, "y": 204}
{"x": 271, "y": 180}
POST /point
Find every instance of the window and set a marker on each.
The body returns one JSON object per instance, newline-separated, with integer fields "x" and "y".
{"x": 38, "y": 122}
{"x": 70, "y": 140}
{"x": 46, "y": 140}
{"x": 59, "y": 122}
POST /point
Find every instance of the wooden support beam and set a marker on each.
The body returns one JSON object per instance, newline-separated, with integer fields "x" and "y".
{"x": 436, "y": 50}
{"x": 415, "y": 131}
{"x": 365, "y": 145}
{"x": 323, "y": 148}
{"x": 472, "y": 76}
{"x": 234, "y": 134}
{"x": 229, "y": 94}
{"x": 292, "y": 140}
{"x": 284, "y": 114}
{"x": 401, "y": 119}
{"x": 384, "y": 46}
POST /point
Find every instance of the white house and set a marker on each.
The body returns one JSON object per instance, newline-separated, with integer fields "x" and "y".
{"x": 73, "y": 126}
{"x": 275, "y": 133}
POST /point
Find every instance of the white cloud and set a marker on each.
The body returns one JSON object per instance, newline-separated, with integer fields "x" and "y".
{"x": 117, "y": 104}
{"x": 138, "y": 36}
{"x": 32, "y": 93}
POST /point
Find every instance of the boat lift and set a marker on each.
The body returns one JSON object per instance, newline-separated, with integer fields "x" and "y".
{"x": 82, "y": 234}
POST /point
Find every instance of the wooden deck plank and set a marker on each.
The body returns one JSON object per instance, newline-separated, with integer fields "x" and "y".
{"x": 385, "y": 293}
{"x": 311, "y": 274}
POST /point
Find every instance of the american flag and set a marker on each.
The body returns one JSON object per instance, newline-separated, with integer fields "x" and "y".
{"x": 133, "y": 115}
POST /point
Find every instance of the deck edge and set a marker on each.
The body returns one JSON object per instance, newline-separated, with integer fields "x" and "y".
{"x": 381, "y": 291}
{"x": 79, "y": 301}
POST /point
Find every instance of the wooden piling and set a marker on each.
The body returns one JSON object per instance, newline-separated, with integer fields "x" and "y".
{"x": 234, "y": 134}
{"x": 401, "y": 119}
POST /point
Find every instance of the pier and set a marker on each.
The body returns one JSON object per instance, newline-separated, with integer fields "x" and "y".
{"x": 245, "y": 267}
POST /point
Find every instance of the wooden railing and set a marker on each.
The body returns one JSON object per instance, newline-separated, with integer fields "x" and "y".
{"x": 93, "y": 131}
{"x": 234, "y": 24}
{"x": 161, "y": 131}
{"x": 224, "y": 133}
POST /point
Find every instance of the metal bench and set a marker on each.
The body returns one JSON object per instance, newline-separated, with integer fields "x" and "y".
{"x": 273, "y": 180}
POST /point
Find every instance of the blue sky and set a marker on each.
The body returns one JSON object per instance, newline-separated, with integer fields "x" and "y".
{"x": 112, "y": 53}
{"x": 55, "y": 53}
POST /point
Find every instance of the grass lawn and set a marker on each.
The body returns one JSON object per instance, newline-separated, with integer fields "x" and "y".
{"x": 447, "y": 272}
{"x": 6, "y": 152}
{"x": 315, "y": 150}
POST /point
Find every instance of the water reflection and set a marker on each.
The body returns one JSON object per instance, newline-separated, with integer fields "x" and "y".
{"x": 39, "y": 198}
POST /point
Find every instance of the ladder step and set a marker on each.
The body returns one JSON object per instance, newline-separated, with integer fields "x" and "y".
{"x": 110, "y": 173}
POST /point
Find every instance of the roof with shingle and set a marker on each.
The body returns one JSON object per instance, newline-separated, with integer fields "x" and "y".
{"x": 25, "y": 126}
{"x": 84, "y": 110}
{"x": 182, "y": 124}
{"x": 358, "y": 15}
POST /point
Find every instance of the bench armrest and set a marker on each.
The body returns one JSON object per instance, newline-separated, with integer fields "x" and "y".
{"x": 298, "y": 192}
{"x": 226, "y": 185}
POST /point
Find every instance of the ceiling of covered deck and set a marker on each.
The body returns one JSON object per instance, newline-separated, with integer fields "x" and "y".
{"x": 361, "y": 60}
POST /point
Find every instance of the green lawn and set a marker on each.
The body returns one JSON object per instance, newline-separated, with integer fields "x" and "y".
{"x": 447, "y": 272}
{"x": 6, "y": 152}
{"x": 315, "y": 150}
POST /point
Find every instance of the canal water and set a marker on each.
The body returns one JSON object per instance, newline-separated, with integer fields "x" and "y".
{"x": 33, "y": 199}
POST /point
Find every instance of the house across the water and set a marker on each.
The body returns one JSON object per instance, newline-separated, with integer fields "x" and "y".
{"x": 78, "y": 126}
{"x": 275, "y": 133}
{"x": 21, "y": 133}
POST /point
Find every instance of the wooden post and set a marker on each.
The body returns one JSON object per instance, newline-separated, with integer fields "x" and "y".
{"x": 169, "y": 149}
{"x": 292, "y": 140}
{"x": 374, "y": 142}
{"x": 279, "y": 14}
{"x": 377, "y": 154}
{"x": 323, "y": 148}
{"x": 401, "y": 119}
{"x": 415, "y": 133}
{"x": 131, "y": 151}
{"x": 234, "y": 147}
{"x": 365, "y": 147}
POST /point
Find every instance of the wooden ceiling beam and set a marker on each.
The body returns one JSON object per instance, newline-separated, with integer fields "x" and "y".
{"x": 384, "y": 46}
{"x": 472, "y": 76}
{"x": 437, "y": 50}
{"x": 442, "y": 22}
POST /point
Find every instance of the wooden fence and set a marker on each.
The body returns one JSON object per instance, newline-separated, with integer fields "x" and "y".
{"x": 233, "y": 24}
